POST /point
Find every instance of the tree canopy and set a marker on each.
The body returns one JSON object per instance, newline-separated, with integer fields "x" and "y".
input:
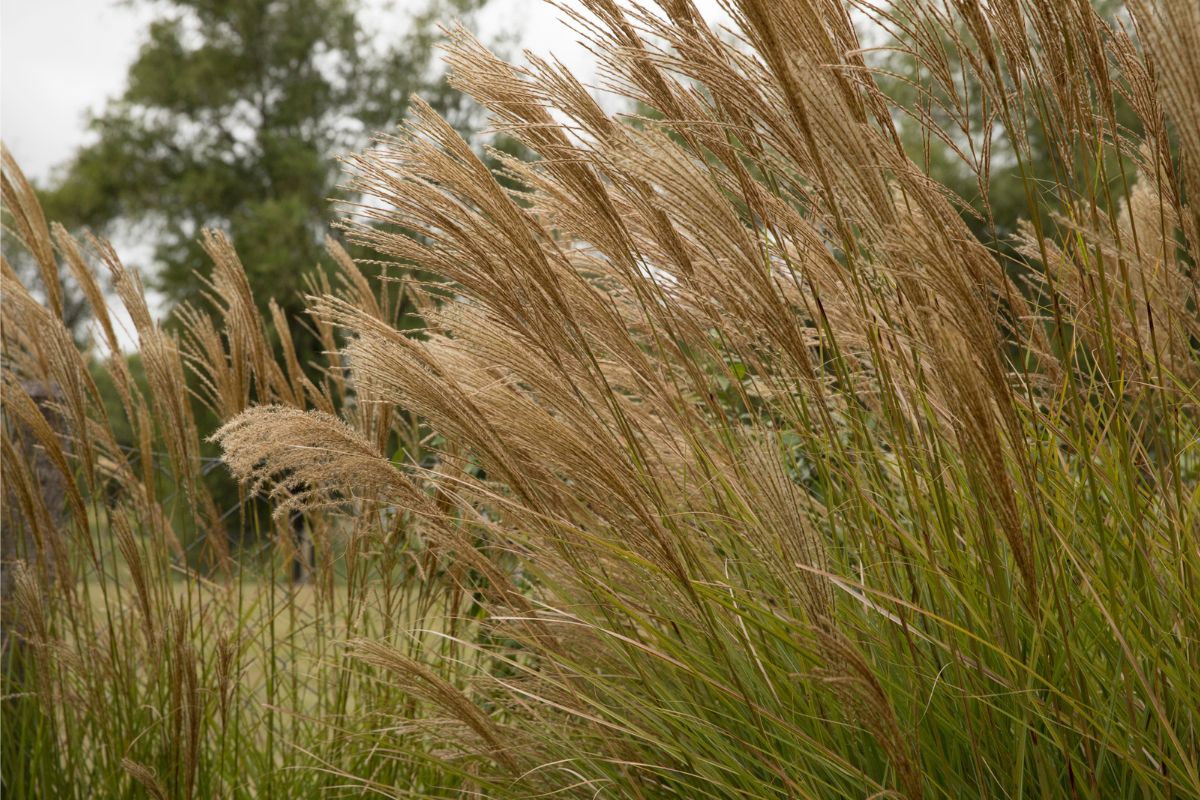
{"x": 232, "y": 117}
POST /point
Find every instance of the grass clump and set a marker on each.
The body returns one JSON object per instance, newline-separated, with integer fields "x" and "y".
{"x": 729, "y": 459}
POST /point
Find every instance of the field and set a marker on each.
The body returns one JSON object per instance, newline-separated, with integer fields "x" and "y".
{"x": 829, "y": 427}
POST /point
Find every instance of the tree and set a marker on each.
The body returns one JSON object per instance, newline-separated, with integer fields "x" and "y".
{"x": 233, "y": 115}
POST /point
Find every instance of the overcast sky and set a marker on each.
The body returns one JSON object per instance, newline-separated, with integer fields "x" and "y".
{"x": 60, "y": 59}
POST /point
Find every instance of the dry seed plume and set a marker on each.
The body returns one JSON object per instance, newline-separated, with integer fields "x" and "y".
{"x": 305, "y": 459}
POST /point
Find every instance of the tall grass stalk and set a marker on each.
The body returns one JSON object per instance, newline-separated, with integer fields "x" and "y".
{"x": 730, "y": 458}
